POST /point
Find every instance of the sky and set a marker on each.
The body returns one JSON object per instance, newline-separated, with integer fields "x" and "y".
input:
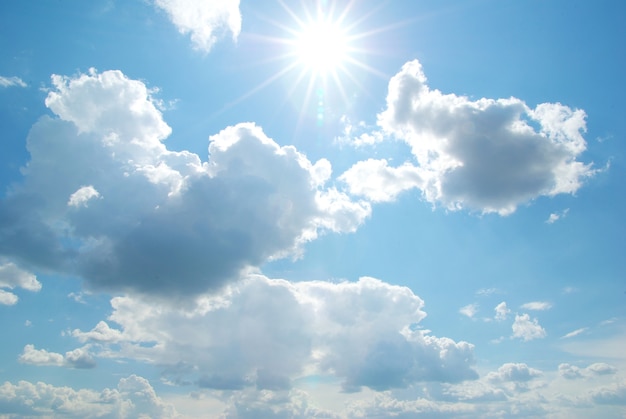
{"x": 301, "y": 208}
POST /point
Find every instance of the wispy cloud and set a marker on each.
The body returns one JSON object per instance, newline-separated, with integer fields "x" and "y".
{"x": 556, "y": 216}
{"x": 12, "y": 82}
{"x": 574, "y": 333}
{"x": 537, "y": 306}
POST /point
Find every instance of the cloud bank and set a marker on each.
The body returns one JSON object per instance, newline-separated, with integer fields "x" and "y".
{"x": 263, "y": 333}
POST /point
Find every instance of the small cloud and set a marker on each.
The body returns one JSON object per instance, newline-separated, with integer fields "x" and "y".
{"x": 502, "y": 311}
{"x": 486, "y": 291}
{"x": 12, "y": 82}
{"x": 78, "y": 358}
{"x": 574, "y": 333}
{"x": 82, "y": 196}
{"x": 527, "y": 329}
{"x": 28, "y": 323}
{"x": 570, "y": 290}
{"x": 608, "y": 321}
{"x": 556, "y": 216}
{"x": 537, "y": 306}
{"x": 77, "y": 296}
{"x": 469, "y": 310}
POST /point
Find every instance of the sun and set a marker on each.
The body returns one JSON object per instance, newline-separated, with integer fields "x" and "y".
{"x": 321, "y": 46}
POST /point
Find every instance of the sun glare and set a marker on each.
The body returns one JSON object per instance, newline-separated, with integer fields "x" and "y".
{"x": 321, "y": 46}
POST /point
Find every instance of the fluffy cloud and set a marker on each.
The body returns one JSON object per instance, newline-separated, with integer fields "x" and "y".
{"x": 11, "y": 277}
{"x": 103, "y": 198}
{"x": 378, "y": 182}
{"x": 133, "y": 398}
{"x": 263, "y": 333}
{"x": 614, "y": 394}
{"x": 537, "y": 306}
{"x": 489, "y": 155}
{"x": 12, "y": 81}
{"x": 205, "y": 20}
{"x": 526, "y": 329}
{"x": 78, "y": 358}
{"x": 513, "y": 372}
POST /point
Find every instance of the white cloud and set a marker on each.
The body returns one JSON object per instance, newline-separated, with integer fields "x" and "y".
{"x": 489, "y": 155}
{"x": 526, "y": 329}
{"x": 537, "y": 306}
{"x": 33, "y": 356}
{"x": 82, "y": 196}
{"x": 614, "y": 394}
{"x": 572, "y": 372}
{"x": 206, "y": 21}
{"x": 264, "y": 333}
{"x": 77, "y": 358}
{"x": 11, "y": 276}
{"x": 376, "y": 181}
{"x": 12, "y": 81}
{"x": 501, "y": 311}
{"x": 8, "y": 298}
{"x": 555, "y": 216}
{"x": 574, "y": 333}
{"x": 469, "y": 310}
{"x": 514, "y": 372}
{"x": 134, "y": 397}
{"x": 168, "y": 224}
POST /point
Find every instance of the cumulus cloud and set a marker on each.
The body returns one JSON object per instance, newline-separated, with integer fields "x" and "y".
{"x": 11, "y": 276}
{"x": 134, "y": 397}
{"x": 77, "y": 358}
{"x": 614, "y": 394}
{"x": 164, "y": 222}
{"x": 526, "y": 328}
{"x": 514, "y": 372}
{"x": 378, "y": 182}
{"x": 205, "y": 21}
{"x": 502, "y": 311}
{"x": 537, "y": 306}
{"x": 11, "y": 82}
{"x": 262, "y": 333}
{"x": 490, "y": 155}
{"x": 572, "y": 372}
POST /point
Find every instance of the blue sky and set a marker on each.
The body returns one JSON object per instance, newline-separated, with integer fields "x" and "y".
{"x": 350, "y": 209}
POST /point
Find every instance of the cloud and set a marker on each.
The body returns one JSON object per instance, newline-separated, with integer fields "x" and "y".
{"x": 378, "y": 182}
{"x": 469, "y": 310}
{"x": 164, "y": 222}
{"x": 514, "y": 373}
{"x": 11, "y": 277}
{"x": 206, "y": 21}
{"x": 78, "y": 358}
{"x": 133, "y": 397}
{"x": 501, "y": 311}
{"x": 12, "y": 82}
{"x": 555, "y": 216}
{"x": 574, "y": 333}
{"x": 572, "y": 372}
{"x": 82, "y": 196}
{"x": 262, "y": 333}
{"x": 614, "y": 394}
{"x": 490, "y": 155}
{"x": 537, "y": 306}
{"x": 526, "y": 329}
